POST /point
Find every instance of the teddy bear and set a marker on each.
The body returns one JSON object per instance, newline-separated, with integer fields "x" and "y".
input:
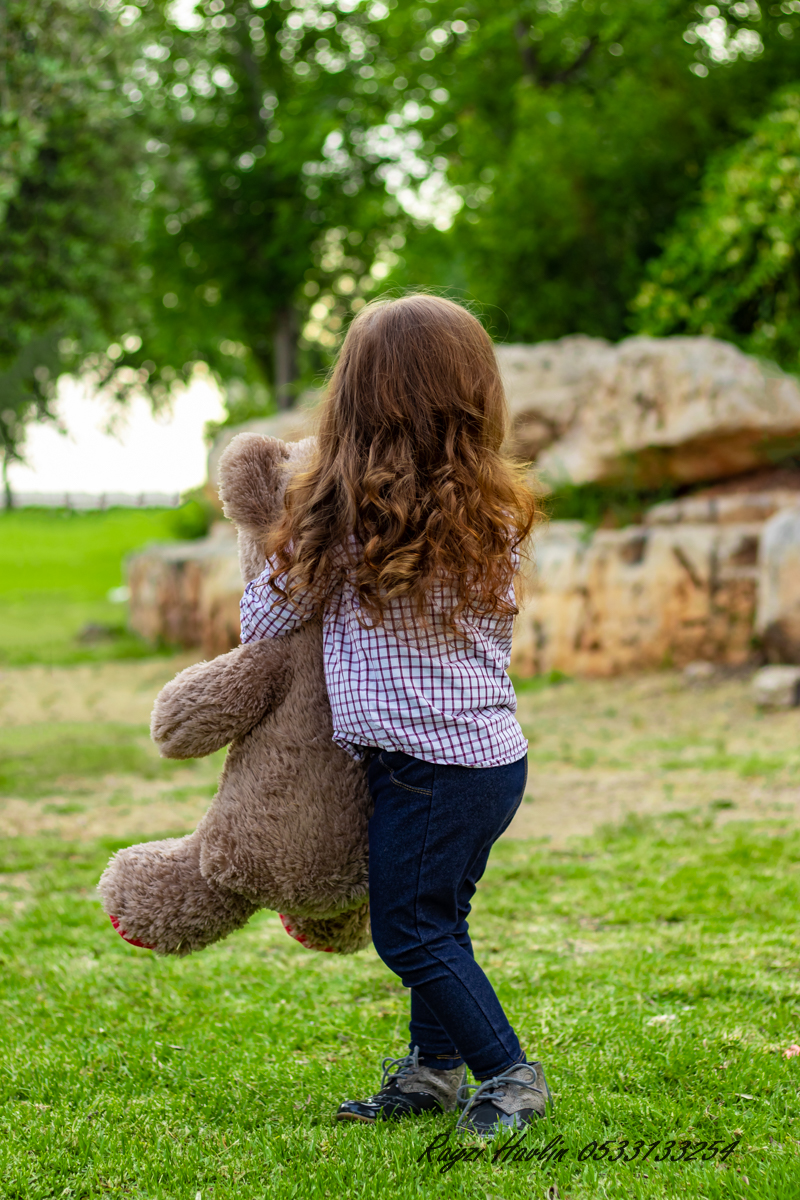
{"x": 287, "y": 829}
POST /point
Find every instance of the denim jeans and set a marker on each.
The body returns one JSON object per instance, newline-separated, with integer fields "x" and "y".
{"x": 429, "y": 841}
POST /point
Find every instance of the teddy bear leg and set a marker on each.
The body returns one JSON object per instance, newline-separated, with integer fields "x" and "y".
{"x": 345, "y": 933}
{"x": 157, "y": 898}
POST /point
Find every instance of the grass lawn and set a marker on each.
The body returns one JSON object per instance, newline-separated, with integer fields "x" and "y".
{"x": 56, "y": 570}
{"x": 655, "y": 970}
{"x": 654, "y": 966}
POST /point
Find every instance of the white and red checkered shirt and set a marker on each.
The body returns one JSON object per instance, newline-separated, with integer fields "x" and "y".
{"x": 397, "y": 686}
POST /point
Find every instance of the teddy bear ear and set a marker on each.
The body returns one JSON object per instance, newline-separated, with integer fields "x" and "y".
{"x": 252, "y": 480}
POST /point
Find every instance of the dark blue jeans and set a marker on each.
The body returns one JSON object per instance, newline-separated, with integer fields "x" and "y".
{"x": 429, "y": 841}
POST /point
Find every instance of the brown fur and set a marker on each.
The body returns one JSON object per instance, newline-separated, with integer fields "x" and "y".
{"x": 288, "y": 827}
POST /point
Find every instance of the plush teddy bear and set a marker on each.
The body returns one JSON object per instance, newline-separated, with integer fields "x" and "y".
{"x": 287, "y": 828}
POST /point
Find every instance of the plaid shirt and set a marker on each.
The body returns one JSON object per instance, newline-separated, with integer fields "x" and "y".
{"x": 397, "y": 686}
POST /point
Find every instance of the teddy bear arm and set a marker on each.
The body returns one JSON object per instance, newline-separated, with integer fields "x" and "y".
{"x": 211, "y": 703}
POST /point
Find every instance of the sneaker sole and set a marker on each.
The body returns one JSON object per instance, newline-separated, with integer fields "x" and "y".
{"x": 350, "y": 1116}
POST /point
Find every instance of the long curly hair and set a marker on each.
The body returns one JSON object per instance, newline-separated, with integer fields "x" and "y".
{"x": 409, "y": 488}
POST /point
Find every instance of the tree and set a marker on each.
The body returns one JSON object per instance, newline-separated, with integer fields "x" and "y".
{"x": 260, "y": 190}
{"x": 574, "y": 135}
{"x": 71, "y": 215}
{"x": 229, "y": 190}
{"x": 729, "y": 268}
{"x": 239, "y": 144}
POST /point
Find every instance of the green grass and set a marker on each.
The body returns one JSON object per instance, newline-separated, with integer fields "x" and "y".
{"x": 731, "y": 748}
{"x": 56, "y": 569}
{"x": 36, "y": 758}
{"x": 539, "y": 683}
{"x": 655, "y": 970}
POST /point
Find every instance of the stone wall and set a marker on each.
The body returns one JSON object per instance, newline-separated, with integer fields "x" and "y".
{"x": 778, "y": 613}
{"x": 712, "y": 576}
{"x": 637, "y": 598}
{"x": 187, "y": 593}
{"x": 667, "y": 592}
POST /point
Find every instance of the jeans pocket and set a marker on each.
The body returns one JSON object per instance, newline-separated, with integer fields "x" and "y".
{"x": 408, "y": 773}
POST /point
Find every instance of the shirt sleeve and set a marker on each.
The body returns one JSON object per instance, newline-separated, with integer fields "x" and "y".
{"x": 265, "y": 613}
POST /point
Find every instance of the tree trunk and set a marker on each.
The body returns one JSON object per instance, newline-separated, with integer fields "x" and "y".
{"x": 285, "y": 347}
{"x": 8, "y": 496}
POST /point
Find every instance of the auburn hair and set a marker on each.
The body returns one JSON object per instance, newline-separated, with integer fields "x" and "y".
{"x": 409, "y": 460}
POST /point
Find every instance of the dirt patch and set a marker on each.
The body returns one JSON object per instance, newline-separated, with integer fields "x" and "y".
{"x": 127, "y": 807}
{"x": 123, "y": 807}
{"x": 599, "y": 751}
{"x": 568, "y": 804}
{"x": 117, "y": 691}
{"x": 603, "y": 749}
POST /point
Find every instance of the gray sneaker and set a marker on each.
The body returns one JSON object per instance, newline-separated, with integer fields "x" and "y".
{"x": 509, "y": 1101}
{"x": 407, "y": 1089}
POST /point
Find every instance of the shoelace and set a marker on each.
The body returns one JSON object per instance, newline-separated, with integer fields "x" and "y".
{"x": 482, "y": 1091}
{"x": 401, "y": 1066}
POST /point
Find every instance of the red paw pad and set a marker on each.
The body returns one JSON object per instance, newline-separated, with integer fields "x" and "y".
{"x": 123, "y": 934}
{"x": 301, "y": 937}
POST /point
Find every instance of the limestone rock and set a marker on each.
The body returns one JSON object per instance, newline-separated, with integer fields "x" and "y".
{"x": 647, "y": 411}
{"x": 777, "y": 687}
{"x": 601, "y": 603}
{"x": 638, "y": 598}
{"x": 778, "y": 616}
{"x": 731, "y": 509}
{"x": 698, "y": 672}
{"x": 187, "y": 593}
{"x": 218, "y": 609}
{"x": 548, "y": 384}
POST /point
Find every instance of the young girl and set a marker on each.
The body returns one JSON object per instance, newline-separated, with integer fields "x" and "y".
{"x": 404, "y": 535}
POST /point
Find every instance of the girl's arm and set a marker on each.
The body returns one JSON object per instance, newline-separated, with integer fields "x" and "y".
{"x": 265, "y": 613}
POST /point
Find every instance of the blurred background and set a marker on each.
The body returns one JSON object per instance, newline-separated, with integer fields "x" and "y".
{"x": 195, "y": 198}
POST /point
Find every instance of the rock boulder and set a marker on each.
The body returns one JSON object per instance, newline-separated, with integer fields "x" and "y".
{"x": 647, "y": 411}
{"x": 778, "y": 616}
{"x": 777, "y": 687}
{"x": 548, "y": 385}
{"x": 639, "y": 598}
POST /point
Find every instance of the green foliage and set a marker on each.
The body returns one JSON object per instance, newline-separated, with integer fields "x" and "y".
{"x": 601, "y": 504}
{"x": 575, "y": 134}
{"x": 26, "y": 393}
{"x": 194, "y": 517}
{"x": 729, "y": 268}
{"x": 652, "y": 969}
{"x": 230, "y": 190}
{"x": 56, "y": 570}
{"x": 70, "y": 204}
{"x": 260, "y": 125}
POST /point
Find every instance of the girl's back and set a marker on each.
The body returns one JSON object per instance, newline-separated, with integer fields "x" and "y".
{"x": 405, "y": 534}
